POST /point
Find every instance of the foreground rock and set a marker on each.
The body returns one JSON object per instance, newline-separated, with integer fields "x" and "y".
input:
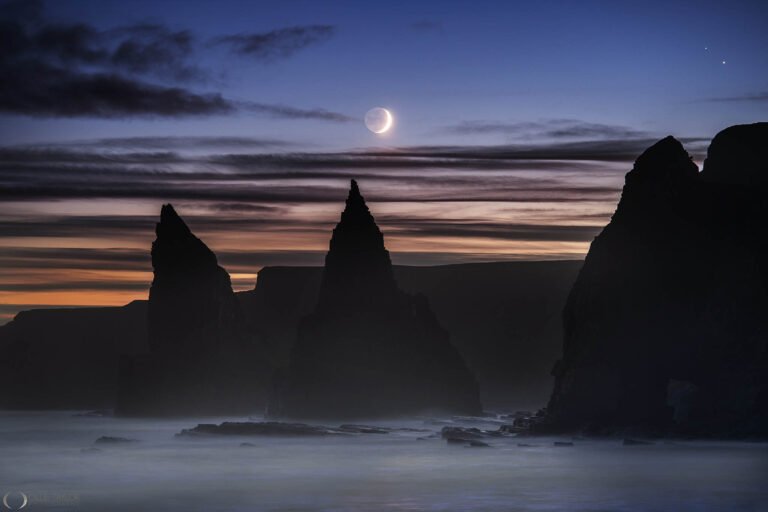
{"x": 202, "y": 359}
{"x": 279, "y": 428}
{"x": 266, "y": 428}
{"x": 666, "y": 328}
{"x": 369, "y": 349}
{"x": 470, "y": 434}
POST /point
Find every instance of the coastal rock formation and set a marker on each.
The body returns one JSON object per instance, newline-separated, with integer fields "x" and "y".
{"x": 504, "y": 319}
{"x": 191, "y": 302}
{"x": 369, "y": 349}
{"x": 202, "y": 359}
{"x": 666, "y": 327}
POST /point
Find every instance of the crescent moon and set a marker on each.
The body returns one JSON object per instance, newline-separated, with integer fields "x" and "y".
{"x": 379, "y": 120}
{"x": 388, "y": 124}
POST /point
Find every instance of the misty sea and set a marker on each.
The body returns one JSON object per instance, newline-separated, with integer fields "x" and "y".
{"x": 49, "y": 461}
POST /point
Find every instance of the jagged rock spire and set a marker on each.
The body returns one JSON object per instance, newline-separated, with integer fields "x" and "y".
{"x": 189, "y": 288}
{"x": 369, "y": 349}
{"x": 357, "y": 266}
{"x": 176, "y": 249}
{"x": 357, "y": 230}
{"x": 171, "y": 225}
{"x": 202, "y": 359}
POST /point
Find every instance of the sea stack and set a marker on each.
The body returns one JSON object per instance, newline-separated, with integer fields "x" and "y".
{"x": 191, "y": 302}
{"x": 369, "y": 349}
{"x": 202, "y": 359}
{"x": 666, "y": 327}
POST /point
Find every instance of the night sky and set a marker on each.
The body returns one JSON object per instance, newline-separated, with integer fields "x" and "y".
{"x": 514, "y": 125}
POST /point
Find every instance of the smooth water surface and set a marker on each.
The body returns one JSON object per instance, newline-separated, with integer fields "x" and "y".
{"x": 49, "y": 456}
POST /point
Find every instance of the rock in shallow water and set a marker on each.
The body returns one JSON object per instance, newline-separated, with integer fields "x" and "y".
{"x": 635, "y": 442}
{"x": 114, "y": 440}
{"x": 364, "y": 429}
{"x": 266, "y": 428}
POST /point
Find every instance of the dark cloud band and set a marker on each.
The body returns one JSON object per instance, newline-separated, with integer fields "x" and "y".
{"x": 75, "y": 70}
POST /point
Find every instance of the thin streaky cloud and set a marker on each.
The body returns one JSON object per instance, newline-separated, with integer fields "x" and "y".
{"x": 288, "y": 112}
{"x": 758, "y": 97}
{"x": 280, "y": 43}
{"x": 548, "y": 129}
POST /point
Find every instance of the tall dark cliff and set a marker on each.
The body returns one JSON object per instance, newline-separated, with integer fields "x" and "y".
{"x": 202, "y": 358}
{"x": 369, "y": 349}
{"x": 666, "y": 327}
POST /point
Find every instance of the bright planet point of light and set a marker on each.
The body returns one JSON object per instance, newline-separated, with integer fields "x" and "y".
{"x": 378, "y": 120}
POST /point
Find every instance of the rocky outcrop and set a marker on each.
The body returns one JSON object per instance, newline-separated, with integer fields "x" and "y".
{"x": 260, "y": 428}
{"x": 283, "y": 429}
{"x": 369, "y": 349}
{"x": 666, "y": 328}
{"x": 202, "y": 358}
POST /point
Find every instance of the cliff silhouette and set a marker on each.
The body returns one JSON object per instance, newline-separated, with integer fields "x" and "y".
{"x": 503, "y": 317}
{"x": 370, "y": 349}
{"x": 191, "y": 302}
{"x": 202, "y": 358}
{"x": 68, "y": 358}
{"x": 666, "y": 327}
